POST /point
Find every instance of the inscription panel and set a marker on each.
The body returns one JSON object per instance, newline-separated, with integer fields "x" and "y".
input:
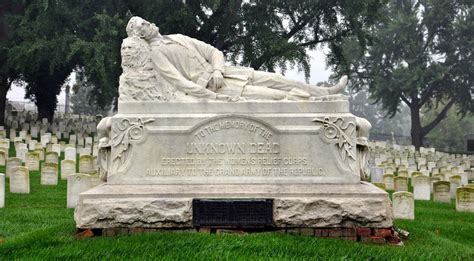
{"x": 229, "y": 148}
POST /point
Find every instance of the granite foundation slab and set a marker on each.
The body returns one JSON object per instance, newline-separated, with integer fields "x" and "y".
{"x": 294, "y": 205}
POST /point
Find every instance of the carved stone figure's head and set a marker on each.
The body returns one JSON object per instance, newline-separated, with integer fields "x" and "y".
{"x": 140, "y": 27}
{"x": 135, "y": 53}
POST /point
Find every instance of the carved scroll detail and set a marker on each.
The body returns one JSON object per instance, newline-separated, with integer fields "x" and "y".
{"x": 340, "y": 133}
{"x": 123, "y": 133}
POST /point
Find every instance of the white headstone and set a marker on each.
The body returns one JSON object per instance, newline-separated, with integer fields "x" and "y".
{"x": 11, "y": 163}
{"x": 465, "y": 199}
{"x": 85, "y": 151}
{"x": 68, "y": 167}
{"x": 88, "y": 140}
{"x": 2, "y": 190}
{"x": 455, "y": 181}
{"x": 56, "y": 148}
{"x": 403, "y": 205}
{"x": 85, "y": 164}
{"x": 51, "y": 157}
{"x": 421, "y": 187}
{"x": 45, "y": 139}
{"x": 21, "y": 153}
{"x": 3, "y": 157}
{"x": 20, "y": 180}
{"x": 5, "y": 143}
{"x": 49, "y": 174}
{"x": 72, "y": 139}
{"x": 388, "y": 181}
{"x": 441, "y": 192}
{"x": 76, "y": 184}
{"x": 400, "y": 183}
{"x": 32, "y": 144}
{"x": 70, "y": 153}
{"x": 33, "y": 161}
{"x": 34, "y": 132}
{"x": 376, "y": 174}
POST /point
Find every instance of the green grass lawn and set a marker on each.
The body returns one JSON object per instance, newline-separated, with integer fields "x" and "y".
{"x": 38, "y": 226}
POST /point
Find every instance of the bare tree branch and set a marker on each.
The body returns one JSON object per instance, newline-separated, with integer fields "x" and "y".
{"x": 426, "y": 129}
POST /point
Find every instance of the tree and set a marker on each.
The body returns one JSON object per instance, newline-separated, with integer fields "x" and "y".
{"x": 361, "y": 105}
{"x": 43, "y": 52}
{"x": 422, "y": 57}
{"x": 81, "y": 100}
{"x": 266, "y": 34}
{"x": 54, "y": 37}
{"x": 455, "y": 125}
{"x": 8, "y": 75}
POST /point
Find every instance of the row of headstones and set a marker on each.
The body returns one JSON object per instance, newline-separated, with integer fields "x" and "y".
{"x": 62, "y": 122}
{"x": 76, "y": 183}
{"x": 427, "y": 159}
{"x": 87, "y": 164}
{"x": 403, "y": 202}
{"x": 424, "y": 186}
{"x": 378, "y": 174}
{"x": 49, "y": 139}
{"x": 26, "y": 153}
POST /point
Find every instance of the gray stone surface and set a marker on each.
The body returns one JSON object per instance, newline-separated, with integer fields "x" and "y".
{"x": 20, "y": 180}
{"x": 403, "y": 205}
{"x": 465, "y": 199}
{"x": 296, "y": 205}
{"x": 248, "y": 142}
{"x": 76, "y": 184}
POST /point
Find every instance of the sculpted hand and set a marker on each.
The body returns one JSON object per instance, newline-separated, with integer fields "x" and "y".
{"x": 216, "y": 80}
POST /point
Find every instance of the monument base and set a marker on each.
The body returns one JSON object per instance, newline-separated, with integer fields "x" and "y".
{"x": 294, "y": 205}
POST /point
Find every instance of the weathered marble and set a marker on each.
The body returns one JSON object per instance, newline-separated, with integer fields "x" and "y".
{"x": 33, "y": 161}
{"x": 68, "y": 167}
{"x": 441, "y": 192}
{"x": 297, "y": 205}
{"x": 178, "y": 136}
{"x": 400, "y": 183}
{"x": 11, "y": 163}
{"x": 455, "y": 181}
{"x": 388, "y": 180}
{"x": 421, "y": 187}
{"x": 76, "y": 184}
{"x": 20, "y": 180}
{"x": 86, "y": 164}
{"x": 49, "y": 174}
{"x": 465, "y": 199}
{"x": 403, "y": 205}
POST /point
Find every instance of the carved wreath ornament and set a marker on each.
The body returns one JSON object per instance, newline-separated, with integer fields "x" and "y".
{"x": 124, "y": 133}
{"x": 340, "y": 133}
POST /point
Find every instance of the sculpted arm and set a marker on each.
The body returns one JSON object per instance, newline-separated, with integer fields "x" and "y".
{"x": 210, "y": 53}
{"x": 174, "y": 77}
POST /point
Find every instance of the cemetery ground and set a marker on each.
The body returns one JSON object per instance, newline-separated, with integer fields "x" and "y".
{"x": 39, "y": 226}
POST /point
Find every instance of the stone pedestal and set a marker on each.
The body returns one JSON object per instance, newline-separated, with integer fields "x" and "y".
{"x": 301, "y": 155}
{"x": 294, "y": 205}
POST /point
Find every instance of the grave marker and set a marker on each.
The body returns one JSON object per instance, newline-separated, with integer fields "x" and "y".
{"x": 465, "y": 199}
{"x": 2, "y": 190}
{"x": 441, "y": 192}
{"x": 49, "y": 174}
{"x": 76, "y": 184}
{"x": 85, "y": 164}
{"x": 421, "y": 187}
{"x": 20, "y": 180}
{"x": 400, "y": 183}
{"x": 33, "y": 161}
{"x": 68, "y": 167}
{"x": 403, "y": 205}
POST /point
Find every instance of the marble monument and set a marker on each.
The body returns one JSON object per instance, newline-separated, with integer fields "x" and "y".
{"x": 191, "y": 128}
